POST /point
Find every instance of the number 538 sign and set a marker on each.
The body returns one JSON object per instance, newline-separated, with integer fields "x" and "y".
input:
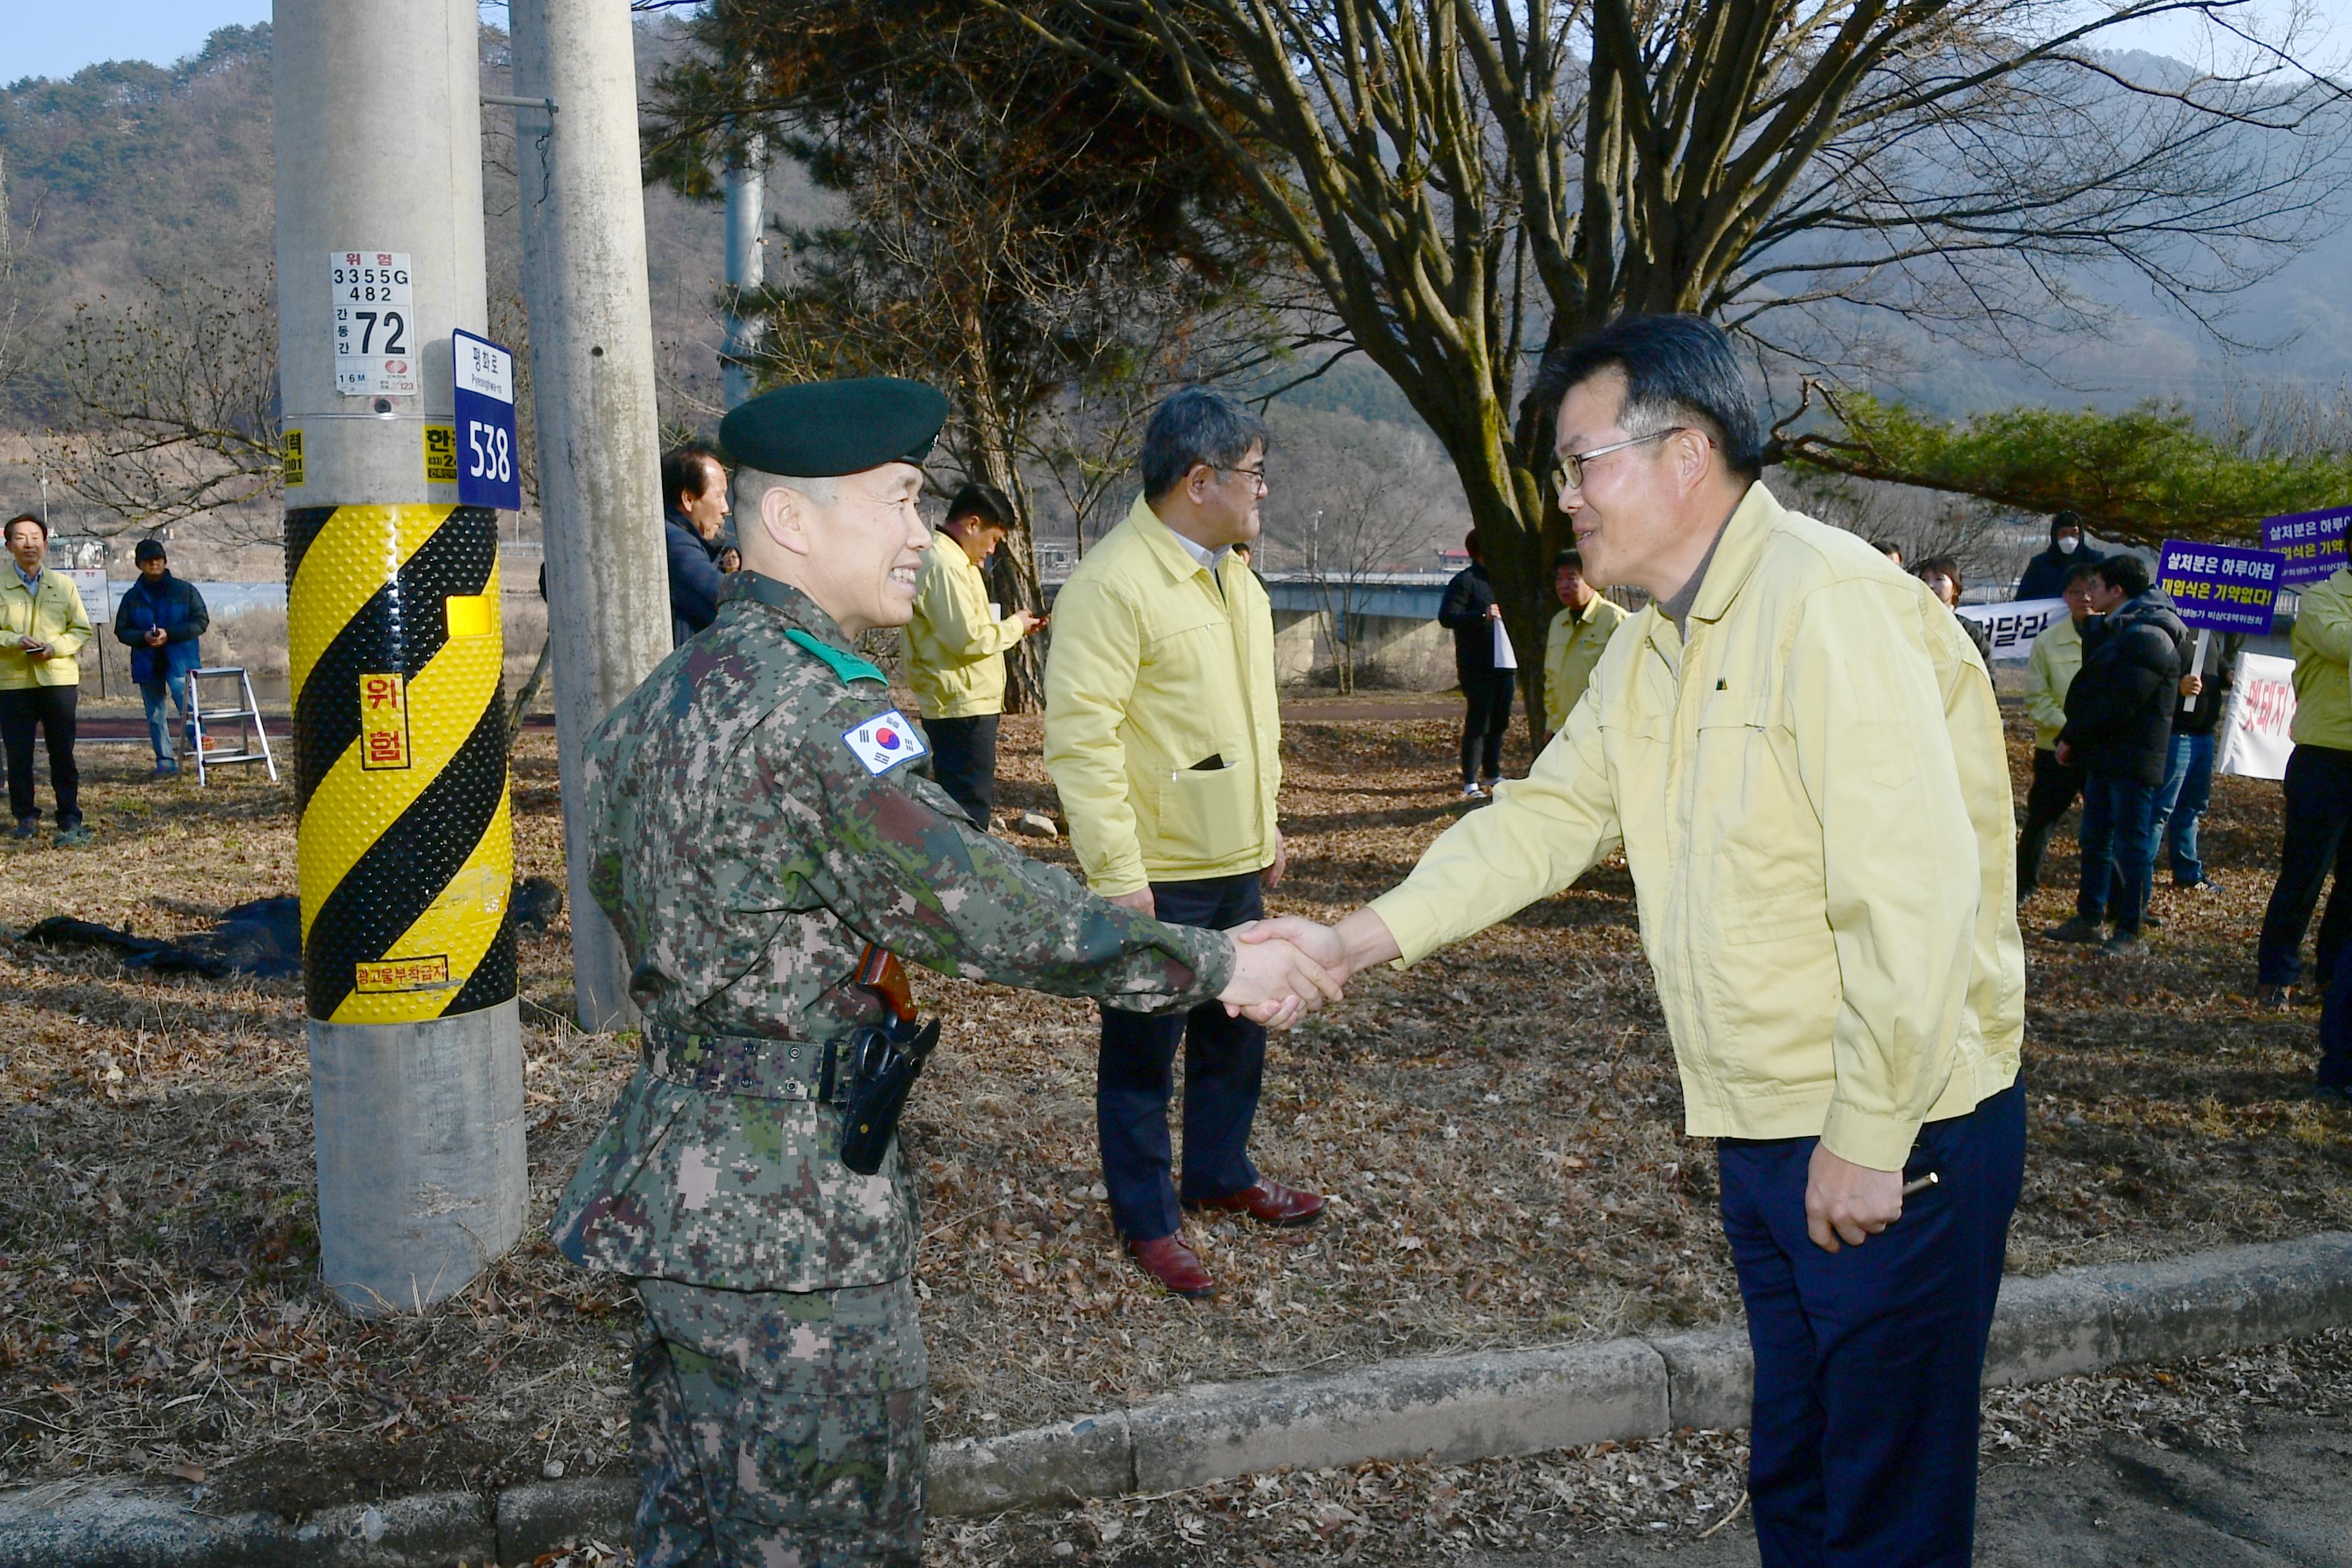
{"x": 486, "y": 424}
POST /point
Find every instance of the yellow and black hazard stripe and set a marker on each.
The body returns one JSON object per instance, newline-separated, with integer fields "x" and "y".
{"x": 406, "y": 844}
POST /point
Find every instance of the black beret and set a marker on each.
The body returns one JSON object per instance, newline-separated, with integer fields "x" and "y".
{"x": 149, "y": 550}
{"x": 823, "y": 428}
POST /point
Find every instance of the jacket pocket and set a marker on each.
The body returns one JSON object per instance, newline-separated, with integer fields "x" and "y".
{"x": 1207, "y": 814}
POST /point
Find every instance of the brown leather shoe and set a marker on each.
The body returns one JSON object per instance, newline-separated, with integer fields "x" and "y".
{"x": 1268, "y": 1203}
{"x": 1166, "y": 1259}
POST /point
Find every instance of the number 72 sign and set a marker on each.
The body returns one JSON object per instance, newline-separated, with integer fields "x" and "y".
{"x": 486, "y": 424}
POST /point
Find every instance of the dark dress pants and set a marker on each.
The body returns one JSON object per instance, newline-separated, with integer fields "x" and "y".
{"x": 2335, "y": 1030}
{"x": 2053, "y": 791}
{"x": 1863, "y": 1451}
{"x": 1224, "y": 1062}
{"x": 963, "y": 760}
{"x": 50, "y": 709}
{"x": 1486, "y": 715}
{"x": 2318, "y": 789}
{"x": 2118, "y": 849}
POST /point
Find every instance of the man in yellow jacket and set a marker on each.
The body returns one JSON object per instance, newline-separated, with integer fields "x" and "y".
{"x": 2317, "y": 837}
{"x": 1800, "y": 751}
{"x": 2050, "y": 668}
{"x": 955, "y": 648}
{"x": 42, "y": 626}
{"x": 1578, "y": 633}
{"x": 1164, "y": 741}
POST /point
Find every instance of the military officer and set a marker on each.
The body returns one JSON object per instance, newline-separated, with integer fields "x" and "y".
{"x": 754, "y": 826}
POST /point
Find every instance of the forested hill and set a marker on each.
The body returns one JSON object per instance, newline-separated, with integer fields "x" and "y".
{"x": 128, "y": 171}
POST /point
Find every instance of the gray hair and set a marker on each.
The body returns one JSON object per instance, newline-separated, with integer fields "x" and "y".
{"x": 1195, "y": 425}
{"x": 752, "y": 487}
{"x": 1678, "y": 370}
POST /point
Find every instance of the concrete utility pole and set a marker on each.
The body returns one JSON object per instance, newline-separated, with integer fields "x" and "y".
{"x": 592, "y": 366}
{"x": 405, "y": 845}
{"x": 747, "y": 254}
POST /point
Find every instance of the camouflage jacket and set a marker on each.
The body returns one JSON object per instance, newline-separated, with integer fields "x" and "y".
{"x": 750, "y": 833}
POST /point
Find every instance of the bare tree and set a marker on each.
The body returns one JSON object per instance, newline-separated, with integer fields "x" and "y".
{"x": 174, "y": 405}
{"x": 10, "y": 307}
{"x": 1466, "y": 181}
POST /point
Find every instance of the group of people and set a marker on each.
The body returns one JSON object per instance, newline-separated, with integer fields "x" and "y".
{"x": 1768, "y": 741}
{"x": 44, "y": 626}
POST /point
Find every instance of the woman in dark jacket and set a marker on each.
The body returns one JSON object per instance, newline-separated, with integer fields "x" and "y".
{"x": 161, "y": 617}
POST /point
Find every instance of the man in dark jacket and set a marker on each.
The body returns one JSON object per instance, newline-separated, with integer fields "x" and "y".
{"x": 2045, "y": 575}
{"x": 2119, "y": 732}
{"x": 159, "y": 619}
{"x": 694, "y": 516}
{"x": 1470, "y": 613}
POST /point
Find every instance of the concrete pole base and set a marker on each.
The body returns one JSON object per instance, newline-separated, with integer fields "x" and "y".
{"x": 423, "y": 1178}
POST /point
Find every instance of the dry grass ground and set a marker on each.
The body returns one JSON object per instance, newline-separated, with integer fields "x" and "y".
{"x": 1499, "y": 1128}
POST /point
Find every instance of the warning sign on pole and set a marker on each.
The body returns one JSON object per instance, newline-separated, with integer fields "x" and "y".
{"x": 374, "y": 321}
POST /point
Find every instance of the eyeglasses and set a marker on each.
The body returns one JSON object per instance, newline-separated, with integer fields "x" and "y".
{"x": 1255, "y": 476}
{"x": 1568, "y": 473}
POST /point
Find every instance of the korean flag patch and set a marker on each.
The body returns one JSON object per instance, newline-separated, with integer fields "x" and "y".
{"x": 882, "y": 743}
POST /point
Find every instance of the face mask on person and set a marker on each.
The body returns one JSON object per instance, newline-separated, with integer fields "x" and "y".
{"x": 2067, "y": 543}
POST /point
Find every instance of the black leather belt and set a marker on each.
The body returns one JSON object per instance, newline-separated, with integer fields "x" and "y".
{"x": 742, "y": 1063}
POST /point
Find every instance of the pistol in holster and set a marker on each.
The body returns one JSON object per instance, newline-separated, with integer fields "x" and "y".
{"x": 880, "y": 1063}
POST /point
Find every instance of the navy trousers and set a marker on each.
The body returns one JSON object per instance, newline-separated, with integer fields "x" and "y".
{"x": 963, "y": 760}
{"x": 2118, "y": 849}
{"x": 2318, "y": 791}
{"x": 1225, "y": 1063}
{"x": 1868, "y": 1361}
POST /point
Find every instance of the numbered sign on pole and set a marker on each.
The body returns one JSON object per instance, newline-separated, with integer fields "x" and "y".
{"x": 374, "y": 316}
{"x": 486, "y": 474}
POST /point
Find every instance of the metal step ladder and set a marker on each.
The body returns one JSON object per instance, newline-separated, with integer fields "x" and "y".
{"x": 252, "y": 741}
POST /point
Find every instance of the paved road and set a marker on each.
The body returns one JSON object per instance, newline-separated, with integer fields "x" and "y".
{"x": 2285, "y": 1503}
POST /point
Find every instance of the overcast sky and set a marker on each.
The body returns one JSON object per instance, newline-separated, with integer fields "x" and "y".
{"x": 45, "y": 37}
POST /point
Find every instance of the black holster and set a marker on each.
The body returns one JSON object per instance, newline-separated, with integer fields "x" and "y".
{"x": 880, "y": 1062}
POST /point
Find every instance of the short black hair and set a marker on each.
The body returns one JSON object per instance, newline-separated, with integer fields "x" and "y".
{"x": 2129, "y": 572}
{"x": 983, "y": 501}
{"x": 1678, "y": 370}
{"x": 1197, "y": 425}
{"x": 1472, "y": 546}
{"x": 2083, "y": 571}
{"x": 682, "y": 471}
{"x": 150, "y": 550}
{"x": 34, "y": 517}
{"x": 1887, "y": 547}
{"x": 1571, "y": 556}
{"x": 2060, "y": 522}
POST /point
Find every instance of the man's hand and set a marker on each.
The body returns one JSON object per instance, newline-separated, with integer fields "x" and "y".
{"x": 155, "y": 637}
{"x": 1140, "y": 902}
{"x": 1494, "y": 612}
{"x": 1275, "y": 984}
{"x": 1320, "y": 942}
{"x": 38, "y": 652}
{"x": 1848, "y": 1203}
{"x": 1271, "y": 875}
{"x": 2191, "y": 685}
{"x": 2066, "y": 756}
{"x": 1030, "y": 620}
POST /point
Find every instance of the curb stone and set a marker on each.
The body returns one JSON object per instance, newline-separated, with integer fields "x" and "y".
{"x": 1454, "y": 1408}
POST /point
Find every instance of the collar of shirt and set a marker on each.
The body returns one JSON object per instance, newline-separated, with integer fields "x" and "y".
{"x": 1678, "y": 608}
{"x": 1209, "y": 559}
{"x": 31, "y": 580}
{"x": 796, "y": 608}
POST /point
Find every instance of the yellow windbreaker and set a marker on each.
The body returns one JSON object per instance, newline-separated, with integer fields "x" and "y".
{"x": 2323, "y": 651}
{"x": 55, "y": 615}
{"x": 955, "y": 648}
{"x": 2050, "y": 668}
{"x": 1571, "y": 651}
{"x": 1155, "y": 670}
{"x": 1813, "y": 799}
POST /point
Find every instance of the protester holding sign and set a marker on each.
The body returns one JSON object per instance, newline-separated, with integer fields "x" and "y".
{"x": 2318, "y": 796}
{"x": 2049, "y": 672}
{"x": 2119, "y": 731}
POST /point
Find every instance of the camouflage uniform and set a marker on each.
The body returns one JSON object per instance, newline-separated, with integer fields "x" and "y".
{"x": 746, "y": 854}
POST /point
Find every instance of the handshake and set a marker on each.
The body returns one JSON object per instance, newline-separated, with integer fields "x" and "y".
{"x": 1287, "y": 967}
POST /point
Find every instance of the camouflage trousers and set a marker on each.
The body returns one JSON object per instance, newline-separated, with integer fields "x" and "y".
{"x": 780, "y": 1428}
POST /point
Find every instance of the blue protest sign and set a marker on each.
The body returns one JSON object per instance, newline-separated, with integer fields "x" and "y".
{"x": 2312, "y": 543}
{"x": 2220, "y": 587}
{"x": 487, "y": 473}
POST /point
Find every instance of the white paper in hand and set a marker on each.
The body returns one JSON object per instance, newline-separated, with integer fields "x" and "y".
{"x": 1503, "y": 657}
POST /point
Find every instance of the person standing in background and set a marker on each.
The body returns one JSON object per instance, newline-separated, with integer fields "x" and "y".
{"x": 1164, "y": 741}
{"x": 2187, "y": 786}
{"x": 1942, "y": 576}
{"x": 955, "y": 648}
{"x": 1470, "y": 613}
{"x": 694, "y": 515}
{"x": 42, "y": 626}
{"x": 2045, "y": 575}
{"x": 2318, "y": 790}
{"x": 1578, "y": 633}
{"x": 2050, "y": 670}
{"x": 161, "y": 619}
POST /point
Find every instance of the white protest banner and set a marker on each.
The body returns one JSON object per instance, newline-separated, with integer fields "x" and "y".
{"x": 2256, "y": 732}
{"x": 2013, "y": 626}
